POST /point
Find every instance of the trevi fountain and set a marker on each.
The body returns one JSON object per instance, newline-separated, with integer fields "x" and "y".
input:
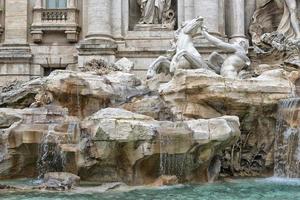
{"x": 221, "y": 126}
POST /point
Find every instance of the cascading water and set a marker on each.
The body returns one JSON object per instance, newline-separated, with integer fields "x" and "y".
{"x": 50, "y": 157}
{"x": 172, "y": 163}
{"x": 287, "y": 139}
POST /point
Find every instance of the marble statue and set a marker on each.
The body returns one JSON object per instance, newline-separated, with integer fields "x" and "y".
{"x": 155, "y": 11}
{"x": 234, "y": 63}
{"x": 289, "y": 24}
{"x": 185, "y": 55}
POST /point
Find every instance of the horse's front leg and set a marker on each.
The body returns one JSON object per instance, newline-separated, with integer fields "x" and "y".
{"x": 196, "y": 61}
{"x": 175, "y": 59}
{"x": 161, "y": 64}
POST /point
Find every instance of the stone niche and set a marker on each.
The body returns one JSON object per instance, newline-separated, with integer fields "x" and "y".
{"x": 135, "y": 16}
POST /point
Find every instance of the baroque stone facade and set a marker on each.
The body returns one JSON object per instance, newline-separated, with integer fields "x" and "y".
{"x": 41, "y": 35}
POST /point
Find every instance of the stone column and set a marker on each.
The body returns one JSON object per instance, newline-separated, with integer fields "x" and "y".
{"x": 99, "y": 41}
{"x": 117, "y": 19}
{"x": 99, "y": 19}
{"x": 237, "y": 10}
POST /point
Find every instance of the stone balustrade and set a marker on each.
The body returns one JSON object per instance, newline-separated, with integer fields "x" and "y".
{"x": 55, "y": 15}
{"x": 65, "y": 20}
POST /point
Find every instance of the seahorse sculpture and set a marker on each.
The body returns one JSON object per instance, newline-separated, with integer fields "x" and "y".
{"x": 185, "y": 54}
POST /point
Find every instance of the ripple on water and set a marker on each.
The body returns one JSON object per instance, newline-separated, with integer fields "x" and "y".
{"x": 248, "y": 189}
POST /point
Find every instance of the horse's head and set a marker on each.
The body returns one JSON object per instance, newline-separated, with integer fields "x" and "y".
{"x": 192, "y": 27}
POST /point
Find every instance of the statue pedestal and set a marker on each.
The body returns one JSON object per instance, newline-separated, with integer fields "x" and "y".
{"x": 154, "y": 27}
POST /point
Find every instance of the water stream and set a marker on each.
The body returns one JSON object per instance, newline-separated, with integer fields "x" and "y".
{"x": 173, "y": 163}
{"x": 287, "y": 139}
{"x": 50, "y": 157}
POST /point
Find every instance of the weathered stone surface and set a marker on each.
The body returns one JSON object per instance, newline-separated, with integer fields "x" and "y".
{"x": 85, "y": 93}
{"x": 61, "y": 179}
{"x": 115, "y": 144}
{"x": 165, "y": 180}
{"x": 254, "y": 100}
{"x": 6, "y": 119}
{"x": 120, "y": 125}
{"x": 22, "y": 96}
{"x": 140, "y": 141}
{"x": 82, "y": 93}
{"x": 125, "y": 65}
{"x": 152, "y": 106}
{"x": 218, "y": 94}
{"x": 19, "y": 140}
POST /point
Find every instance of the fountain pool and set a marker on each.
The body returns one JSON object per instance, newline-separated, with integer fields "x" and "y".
{"x": 250, "y": 189}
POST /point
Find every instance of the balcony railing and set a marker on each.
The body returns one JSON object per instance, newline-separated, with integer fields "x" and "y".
{"x": 51, "y": 20}
{"x": 55, "y": 15}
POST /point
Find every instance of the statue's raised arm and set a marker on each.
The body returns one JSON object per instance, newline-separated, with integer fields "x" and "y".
{"x": 234, "y": 63}
{"x": 217, "y": 42}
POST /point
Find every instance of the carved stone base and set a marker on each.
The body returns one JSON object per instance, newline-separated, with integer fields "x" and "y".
{"x": 153, "y": 27}
{"x": 89, "y": 49}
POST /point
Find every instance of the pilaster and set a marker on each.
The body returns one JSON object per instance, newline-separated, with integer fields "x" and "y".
{"x": 99, "y": 41}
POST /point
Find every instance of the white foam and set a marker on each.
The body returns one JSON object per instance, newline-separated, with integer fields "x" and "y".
{"x": 281, "y": 181}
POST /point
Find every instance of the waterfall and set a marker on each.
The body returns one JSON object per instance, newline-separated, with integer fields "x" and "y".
{"x": 287, "y": 139}
{"x": 50, "y": 158}
{"x": 172, "y": 160}
{"x": 52, "y": 154}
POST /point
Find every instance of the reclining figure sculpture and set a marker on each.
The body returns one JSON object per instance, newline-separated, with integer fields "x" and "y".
{"x": 185, "y": 55}
{"x": 234, "y": 63}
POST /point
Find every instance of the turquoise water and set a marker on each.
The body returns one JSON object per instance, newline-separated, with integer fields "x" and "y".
{"x": 251, "y": 189}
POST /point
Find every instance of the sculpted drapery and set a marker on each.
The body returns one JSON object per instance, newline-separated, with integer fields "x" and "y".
{"x": 289, "y": 24}
{"x": 153, "y": 10}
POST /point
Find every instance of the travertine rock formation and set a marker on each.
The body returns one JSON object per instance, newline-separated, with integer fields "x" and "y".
{"x": 134, "y": 148}
{"x": 113, "y": 128}
{"x": 204, "y": 94}
{"x": 83, "y": 93}
{"x": 106, "y": 144}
